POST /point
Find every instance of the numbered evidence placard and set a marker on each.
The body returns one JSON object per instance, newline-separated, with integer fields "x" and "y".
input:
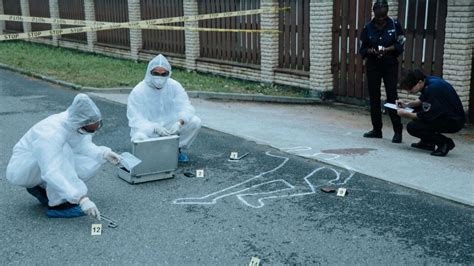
{"x": 96, "y": 229}
{"x": 341, "y": 192}
{"x": 200, "y": 173}
{"x": 234, "y": 155}
{"x": 255, "y": 261}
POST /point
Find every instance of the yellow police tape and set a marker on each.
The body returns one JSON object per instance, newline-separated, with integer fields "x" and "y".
{"x": 143, "y": 24}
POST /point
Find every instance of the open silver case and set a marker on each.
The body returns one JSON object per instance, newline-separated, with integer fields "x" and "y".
{"x": 159, "y": 158}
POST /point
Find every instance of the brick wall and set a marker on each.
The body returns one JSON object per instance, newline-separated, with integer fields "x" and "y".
{"x": 458, "y": 47}
{"x": 293, "y": 80}
{"x": 229, "y": 70}
{"x": 321, "y": 82}
{"x": 269, "y": 55}
{"x": 2, "y": 23}
{"x": 89, "y": 13}
{"x": 135, "y": 34}
{"x": 25, "y": 11}
{"x": 190, "y": 8}
{"x": 54, "y": 13}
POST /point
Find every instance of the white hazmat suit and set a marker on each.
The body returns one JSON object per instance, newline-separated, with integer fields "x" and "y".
{"x": 157, "y": 103}
{"x": 55, "y": 156}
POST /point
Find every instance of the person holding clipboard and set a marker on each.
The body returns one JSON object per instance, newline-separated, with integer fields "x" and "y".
{"x": 437, "y": 110}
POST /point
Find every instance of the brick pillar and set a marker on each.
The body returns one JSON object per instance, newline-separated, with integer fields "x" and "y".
{"x": 89, "y": 14}
{"x": 458, "y": 47}
{"x": 2, "y": 23}
{"x": 54, "y": 13}
{"x": 190, "y": 8}
{"x": 25, "y": 11}
{"x": 134, "y": 14}
{"x": 321, "y": 78}
{"x": 268, "y": 42}
{"x": 393, "y": 9}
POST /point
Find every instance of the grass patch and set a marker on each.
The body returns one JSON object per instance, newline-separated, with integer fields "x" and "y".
{"x": 100, "y": 71}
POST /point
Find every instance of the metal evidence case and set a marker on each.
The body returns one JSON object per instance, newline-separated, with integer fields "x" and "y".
{"x": 159, "y": 160}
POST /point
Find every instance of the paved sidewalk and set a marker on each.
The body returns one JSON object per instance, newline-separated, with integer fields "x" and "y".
{"x": 332, "y": 134}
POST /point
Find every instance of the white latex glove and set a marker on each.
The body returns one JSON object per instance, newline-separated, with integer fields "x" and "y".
{"x": 89, "y": 208}
{"x": 161, "y": 131}
{"x": 175, "y": 128}
{"x": 112, "y": 157}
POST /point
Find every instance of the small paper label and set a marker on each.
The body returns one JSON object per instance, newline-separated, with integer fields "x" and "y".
{"x": 254, "y": 261}
{"x": 200, "y": 173}
{"x": 96, "y": 229}
{"x": 234, "y": 155}
{"x": 341, "y": 192}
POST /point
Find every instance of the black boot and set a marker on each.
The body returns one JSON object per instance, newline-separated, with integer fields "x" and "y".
{"x": 373, "y": 134}
{"x": 424, "y": 146}
{"x": 397, "y": 138}
{"x": 444, "y": 148}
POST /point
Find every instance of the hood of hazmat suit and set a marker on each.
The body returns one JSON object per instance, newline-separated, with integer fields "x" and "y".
{"x": 54, "y": 155}
{"x": 156, "y": 102}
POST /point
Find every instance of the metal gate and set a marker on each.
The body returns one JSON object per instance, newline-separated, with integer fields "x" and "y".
{"x": 424, "y": 22}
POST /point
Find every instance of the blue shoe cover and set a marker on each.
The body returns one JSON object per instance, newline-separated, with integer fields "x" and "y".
{"x": 65, "y": 213}
{"x": 183, "y": 157}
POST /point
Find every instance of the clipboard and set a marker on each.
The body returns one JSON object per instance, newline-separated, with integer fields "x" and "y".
{"x": 394, "y": 106}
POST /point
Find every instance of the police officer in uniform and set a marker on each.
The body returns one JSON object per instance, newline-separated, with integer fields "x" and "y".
{"x": 382, "y": 42}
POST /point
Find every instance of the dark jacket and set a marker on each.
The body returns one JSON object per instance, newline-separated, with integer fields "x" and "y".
{"x": 391, "y": 34}
{"x": 440, "y": 100}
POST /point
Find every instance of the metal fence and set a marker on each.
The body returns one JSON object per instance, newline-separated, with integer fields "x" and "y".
{"x": 72, "y": 9}
{"x": 112, "y": 11}
{"x": 225, "y": 46}
{"x": 294, "y": 37}
{"x": 39, "y": 8}
{"x": 169, "y": 42}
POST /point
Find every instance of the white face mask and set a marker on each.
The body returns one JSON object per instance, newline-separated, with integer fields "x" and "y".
{"x": 159, "y": 82}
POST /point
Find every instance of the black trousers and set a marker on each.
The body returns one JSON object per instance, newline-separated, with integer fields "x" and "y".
{"x": 430, "y": 131}
{"x": 388, "y": 71}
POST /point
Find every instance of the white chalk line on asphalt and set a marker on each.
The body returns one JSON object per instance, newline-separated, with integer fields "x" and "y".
{"x": 215, "y": 196}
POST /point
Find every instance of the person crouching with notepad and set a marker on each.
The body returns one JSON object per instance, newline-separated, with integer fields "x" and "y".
{"x": 438, "y": 110}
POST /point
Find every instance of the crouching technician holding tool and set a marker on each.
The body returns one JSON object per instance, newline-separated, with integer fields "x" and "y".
{"x": 54, "y": 158}
{"x": 159, "y": 106}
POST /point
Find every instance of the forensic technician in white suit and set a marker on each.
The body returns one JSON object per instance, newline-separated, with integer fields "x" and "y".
{"x": 56, "y": 156}
{"x": 159, "y": 106}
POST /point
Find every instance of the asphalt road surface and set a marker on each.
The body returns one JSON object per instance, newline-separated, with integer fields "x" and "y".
{"x": 268, "y": 205}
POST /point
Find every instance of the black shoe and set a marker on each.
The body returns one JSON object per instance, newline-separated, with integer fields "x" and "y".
{"x": 397, "y": 138}
{"x": 444, "y": 148}
{"x": 423, "y": 146}
{"x": 39, "y": 193}
{"x": 373, "y": 134}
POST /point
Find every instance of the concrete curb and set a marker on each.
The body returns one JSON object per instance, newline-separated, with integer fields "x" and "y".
{"x": 192, "y": 94}
{"x": 252, "y": 97}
